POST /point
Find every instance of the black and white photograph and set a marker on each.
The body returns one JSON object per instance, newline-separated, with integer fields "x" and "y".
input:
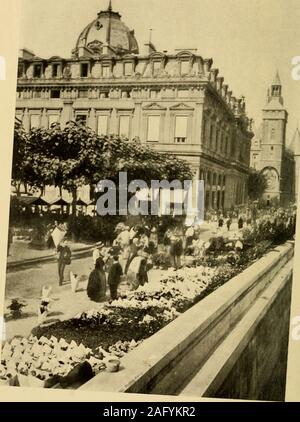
{"x": 153, "y": 198}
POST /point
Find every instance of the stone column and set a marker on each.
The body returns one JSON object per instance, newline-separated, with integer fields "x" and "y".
{"x": 136, "y": 120}
{"x": 197, "y": 124}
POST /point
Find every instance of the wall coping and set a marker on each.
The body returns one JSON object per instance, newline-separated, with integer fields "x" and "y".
{"x": 148, "y": 359}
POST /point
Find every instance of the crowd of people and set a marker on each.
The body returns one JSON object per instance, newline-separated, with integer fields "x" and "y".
{"x": 129, "y": 258}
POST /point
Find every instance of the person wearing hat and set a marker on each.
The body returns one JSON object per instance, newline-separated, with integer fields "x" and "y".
{"x": 154, "y": 237}
{"x": 97, "y": 252}
{"x": 176, "y": 249}
{"x": 114, "y": 277}
{"x": 63, "y": 259}
{"x": 134, "y": 248}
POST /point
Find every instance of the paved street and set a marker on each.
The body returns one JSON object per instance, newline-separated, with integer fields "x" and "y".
{"x": 27, "y": 284}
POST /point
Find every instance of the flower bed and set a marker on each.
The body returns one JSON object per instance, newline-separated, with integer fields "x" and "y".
{"x": 116, "y": 328}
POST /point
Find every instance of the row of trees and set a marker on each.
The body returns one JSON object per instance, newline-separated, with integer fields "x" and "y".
{"x": 76, "y": 156}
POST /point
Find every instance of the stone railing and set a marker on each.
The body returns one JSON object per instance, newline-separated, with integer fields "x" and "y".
{"x": 214, "y": 348}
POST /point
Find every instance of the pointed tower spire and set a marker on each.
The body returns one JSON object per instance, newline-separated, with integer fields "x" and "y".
{"x": 109, "y": 6}
{"x": 276, "y": 89}
{"x": 276, "y": 81}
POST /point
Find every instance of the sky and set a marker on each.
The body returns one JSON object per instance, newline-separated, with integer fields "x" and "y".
{"x": 248, "y": 40}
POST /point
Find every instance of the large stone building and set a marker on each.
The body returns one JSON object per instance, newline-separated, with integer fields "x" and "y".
{"x": 269, "y": 152}
{"x": 173, "y": 102}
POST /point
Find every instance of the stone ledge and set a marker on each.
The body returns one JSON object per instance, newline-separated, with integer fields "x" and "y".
{"x": 213, "y": 373}
{"x": 158, "y": 361}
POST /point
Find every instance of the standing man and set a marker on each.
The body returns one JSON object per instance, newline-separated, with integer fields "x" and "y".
{"x": 64, "y": 258}
{"x": 114, "y": 277}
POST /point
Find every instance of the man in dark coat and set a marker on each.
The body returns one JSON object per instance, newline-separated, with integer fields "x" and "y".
{"x": 114, "y": 277}
{"x": 64, "y": 258}
{"x": 96, "y": 288}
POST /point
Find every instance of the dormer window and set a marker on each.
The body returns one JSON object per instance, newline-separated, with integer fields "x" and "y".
{"x": 37, "y": 70}
{"x": 128, "y": 69}
{"x": 55, "y": 69}
{"x": 105, "y": 71}
{"x": 84, "y": 70}
{"x": 184, "y": 67}
{"x": 156, "y": 67}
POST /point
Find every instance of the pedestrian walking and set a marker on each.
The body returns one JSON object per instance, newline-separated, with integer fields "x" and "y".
{"x": 114, "y": 277}
{"x": 228, "y": 223}
{"x": 63, "y": 258}
{"x": 220, "y": 222}
{"x": 240, "y": 223}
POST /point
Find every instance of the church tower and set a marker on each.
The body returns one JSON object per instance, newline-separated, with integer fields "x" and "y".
{"x": 273, "y": 140}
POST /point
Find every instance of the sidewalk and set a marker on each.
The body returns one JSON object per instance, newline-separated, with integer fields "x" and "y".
{"x": 22, "y": 255}
{"x": 66, "y": 304}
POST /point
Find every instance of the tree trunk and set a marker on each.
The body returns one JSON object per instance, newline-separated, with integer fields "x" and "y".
{"x": 61, "y": 207}
{"x": 74, "y": 199}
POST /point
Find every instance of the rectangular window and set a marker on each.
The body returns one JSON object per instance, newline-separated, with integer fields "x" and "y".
{"x": 55, "y": 93}
{"x": 37, "y": 70}
{"x": 181, "y": 129}
{"x": 53, "y": 118}
{"x": 105, "y": 71}
{"x": 156, "y": 67}
{"x": 124, "y": 126}
{"x": 128, "y": 69}
{"x": 153, "y": 128}
{"x": 55, "y": 68}
{"x": 185, "y": 67}
{"x": 83, "y": 93}
{"x": 183, "y": 93}
{"x": 154, "y": 94}
{"x": 84, "y": 70}
{"x": 102, "y": 125}
{"x": 37, "y": 94}
{"x": 81, "y": 118}
{"x": 104, "y": 94}
{"x": 34, "y": 121}
{"x": 125, "y": 94}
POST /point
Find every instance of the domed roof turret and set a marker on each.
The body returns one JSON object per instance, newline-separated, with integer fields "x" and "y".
{"x": 107, "y": 30}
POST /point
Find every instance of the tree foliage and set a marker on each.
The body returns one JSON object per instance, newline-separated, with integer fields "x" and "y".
{"x": 76, "y": 156}
{"x": 257, "y": 184}
{"x": 20, "y": 139}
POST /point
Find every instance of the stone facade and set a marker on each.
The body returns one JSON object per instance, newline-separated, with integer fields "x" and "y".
{"x": 173, "y": 102}
{"x": 269, "y": 152}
